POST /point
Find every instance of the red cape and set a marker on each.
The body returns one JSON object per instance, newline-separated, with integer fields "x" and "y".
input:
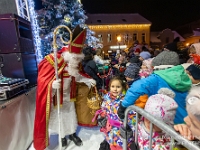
{"x": 46, "y": 75}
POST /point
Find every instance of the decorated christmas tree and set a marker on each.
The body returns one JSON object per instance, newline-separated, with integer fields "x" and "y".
{"x": 61, "y": 12}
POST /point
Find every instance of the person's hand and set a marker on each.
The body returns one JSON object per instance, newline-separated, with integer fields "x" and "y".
{"x": 121, "y": 111}
{"x": 184, "y": 131}
{"x": 92, "y": 82}
{"x": 56, "y": 84}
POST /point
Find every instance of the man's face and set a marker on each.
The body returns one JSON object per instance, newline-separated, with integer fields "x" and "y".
{"x": 73, "y": 59}
{"x": 193, "y": 124}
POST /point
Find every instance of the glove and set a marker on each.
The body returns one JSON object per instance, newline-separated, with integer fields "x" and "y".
{"x": 102, "y": 121}
{"x": 121, "y": 111}
{"x": 126, "y": 133}
{"x": 92, "y": 82}
{"x": 56, "y": 84}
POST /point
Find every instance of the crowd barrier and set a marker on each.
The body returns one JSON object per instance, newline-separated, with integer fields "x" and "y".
{"x": 190, "y": 145}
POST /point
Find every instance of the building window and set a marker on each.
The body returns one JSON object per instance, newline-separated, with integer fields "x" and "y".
{"x": 134, "y": 36}
{"x": 100, "y": 37}
{"x": 167, "y": 40}
{"x": 143, "y": 37}
{"x": 126, "y": 37}
{"x": 109, "y": 38}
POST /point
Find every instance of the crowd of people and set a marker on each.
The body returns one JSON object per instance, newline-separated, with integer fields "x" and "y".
{"x": 162, "y": 84}
{"x": 159, "y": 82}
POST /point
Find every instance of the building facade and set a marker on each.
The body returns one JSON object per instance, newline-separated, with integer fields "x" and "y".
{"x": 118, "y": 31}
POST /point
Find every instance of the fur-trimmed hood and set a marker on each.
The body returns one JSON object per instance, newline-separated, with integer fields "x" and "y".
{"x": 193, "y": 101}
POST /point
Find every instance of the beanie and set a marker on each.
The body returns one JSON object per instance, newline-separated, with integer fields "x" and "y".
{"x": 132, "y": 71}
{"x": 162, "y": 105}
{"x": 166, "y": 58}
{"x": 171, "y": 46}
{"x": 193, "y": 101}
{"x": 137, "y": 50}
{"x": 136, "y": 60}
{"x": 194, "y": 69}
{"x": 145, "y": 55}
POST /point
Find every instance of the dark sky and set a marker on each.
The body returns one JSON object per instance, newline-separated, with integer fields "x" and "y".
{"x": 162, "y": 13}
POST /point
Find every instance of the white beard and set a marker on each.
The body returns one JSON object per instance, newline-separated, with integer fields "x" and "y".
{"x": 73, "y": 61}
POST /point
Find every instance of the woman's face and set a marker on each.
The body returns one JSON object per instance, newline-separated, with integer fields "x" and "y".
{"x": 193, "y": 124}
{"x": 192, "y": 50}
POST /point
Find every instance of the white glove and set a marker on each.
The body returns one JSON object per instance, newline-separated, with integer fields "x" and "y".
{"x": 56, "y": 84}
{"x": 92, "y": 82}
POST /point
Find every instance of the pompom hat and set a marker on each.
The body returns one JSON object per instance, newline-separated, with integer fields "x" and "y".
{"x": 162, "y": 105}
{"x": 193, "y": 102}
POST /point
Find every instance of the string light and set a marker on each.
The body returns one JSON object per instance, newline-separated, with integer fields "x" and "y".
{"x": 35, "y": 30}
{"x": 119, "y": 26}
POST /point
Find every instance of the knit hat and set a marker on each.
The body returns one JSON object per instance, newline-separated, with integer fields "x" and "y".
{"x": 132, "y": 71}
{"x": 193, "y": 101}
{"x": 166, "y": 58}
{"x": 171, "y": 46}
{"x": 137, "y": 50}
{"x": 194, "y": 68}
{"x": 136, "y": 60}
{"x": 162, "y": 105}
{"x": 196, "y": 47}
{"x": 145, "y": 55}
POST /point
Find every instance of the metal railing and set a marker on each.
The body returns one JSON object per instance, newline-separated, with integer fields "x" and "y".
{"x": 166, "y": 128}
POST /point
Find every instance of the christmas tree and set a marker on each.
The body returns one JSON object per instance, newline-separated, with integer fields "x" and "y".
{"x": 61, "y": 12}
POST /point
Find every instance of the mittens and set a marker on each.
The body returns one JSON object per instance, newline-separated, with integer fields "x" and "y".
{"x": 56, "y": 84}
{"x": 126, "y": 133}
{"x": 121, "y": 111}
{"x": 102, "y": 121}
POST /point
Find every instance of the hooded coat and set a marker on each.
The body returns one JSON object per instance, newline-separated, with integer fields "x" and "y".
{"x": 174, "y": 78}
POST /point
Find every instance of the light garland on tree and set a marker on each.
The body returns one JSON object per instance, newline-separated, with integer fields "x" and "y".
{"x": 35, "y": 30}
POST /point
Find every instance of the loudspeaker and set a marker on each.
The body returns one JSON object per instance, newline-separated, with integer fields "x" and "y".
{"x": 15, "y": 34}
{"x": 8, "y": 6}
{"x": 20, "y": 65}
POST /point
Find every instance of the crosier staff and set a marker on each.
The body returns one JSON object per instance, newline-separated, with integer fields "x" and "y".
{"x": 56, "y": 74}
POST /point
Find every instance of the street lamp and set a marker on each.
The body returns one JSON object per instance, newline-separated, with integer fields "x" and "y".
{"x": 119, "y": 40}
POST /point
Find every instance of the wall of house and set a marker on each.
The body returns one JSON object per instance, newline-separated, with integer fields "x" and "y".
{"x": 167, "y": 36}
{"x": 125, "y": 31}
{"x": 191, "y": 40}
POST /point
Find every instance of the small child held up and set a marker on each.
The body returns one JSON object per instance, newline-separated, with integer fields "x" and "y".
{"x": 162, "y": 106}
{"x": 146, "y": 68}
{"x": 108, "y": 119}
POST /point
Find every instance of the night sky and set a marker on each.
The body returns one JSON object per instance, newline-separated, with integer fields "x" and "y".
{"x": 162, "y": 13}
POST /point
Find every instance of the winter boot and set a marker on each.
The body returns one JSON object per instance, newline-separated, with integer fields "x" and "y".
{"x": 77, "y": 141}
{"x": 64, "y": 142}
{"x": 104, "y": 145}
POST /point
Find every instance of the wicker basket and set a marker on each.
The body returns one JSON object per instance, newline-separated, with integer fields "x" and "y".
{"x": 94, "y": 100}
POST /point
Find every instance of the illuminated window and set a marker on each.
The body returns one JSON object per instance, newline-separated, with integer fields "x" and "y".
{"x": 134, "y": 36}
{"x": 126, "y": 37}
{"x": 109, "y": 38}
{"x": 143, "y": 37}
{"x": 100, "y": 37}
